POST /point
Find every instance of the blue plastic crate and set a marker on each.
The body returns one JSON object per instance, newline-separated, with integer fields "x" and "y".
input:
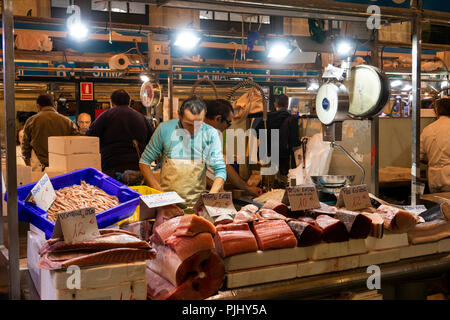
{"x": 128, "y": 198}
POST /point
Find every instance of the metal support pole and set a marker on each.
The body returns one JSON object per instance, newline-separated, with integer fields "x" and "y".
{"x": 374, "y": 128}
{"x": 10, "y": 126}
{"x": 416, "y": 84}
{"x": 170, "y": 92}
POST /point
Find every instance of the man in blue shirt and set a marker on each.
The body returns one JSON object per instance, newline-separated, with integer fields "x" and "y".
{"x": 186, "y": 146}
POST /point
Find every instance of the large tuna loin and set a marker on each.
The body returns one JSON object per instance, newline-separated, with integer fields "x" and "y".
{"x": 273, "y": 234}
{"x": 198, "y": 277}
{"x": 276, "y": 206}
{"x": 396, "y": 219}
{"x": 334, "y": 230}
{"x": 357, "y": 224}
{"x": 307, "y": 234}
{"x": 234, "y": 238}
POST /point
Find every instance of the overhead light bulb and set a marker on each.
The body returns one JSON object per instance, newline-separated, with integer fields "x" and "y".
{"x": 187, "y": 40}
{"x": 407, "y": 87}
{"x": 145, "y": 78}
{"x": 279, "y": 51}
{"x": 396, "y": 83}
{"x": 313, "y": 86}
{"x": 78, "y": 31}
{"x": 344, "y": 48}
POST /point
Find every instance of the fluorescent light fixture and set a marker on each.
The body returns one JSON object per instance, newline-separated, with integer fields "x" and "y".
{"x": 145, "y": 78}
{"x": 279, "y": 51}
{"x": 407, "y": 87}
{"x": 187, "y": 40}
{"x": 78, "y": 31}
{"x": 396, "y": 83}
{"x": 313, "y": 86}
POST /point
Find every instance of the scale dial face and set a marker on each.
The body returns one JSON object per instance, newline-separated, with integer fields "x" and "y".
{"x": 150, "y": 94}
{"x": 365, "y": 89}
{"x": 327, "y": 103}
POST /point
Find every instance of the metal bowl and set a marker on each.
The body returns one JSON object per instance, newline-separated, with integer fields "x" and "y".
{"x": 333, "y": 181}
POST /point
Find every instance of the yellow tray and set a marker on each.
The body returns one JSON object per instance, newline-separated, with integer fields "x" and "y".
{"x": 143, "y": 190}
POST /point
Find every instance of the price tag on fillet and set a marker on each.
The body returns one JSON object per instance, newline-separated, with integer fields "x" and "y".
{"x": 354, "y": 197}
{"x": 43, "y": 193}
{"x": 303, "y": 197}
{"x": 161, "y": 199}
{"x": 218, "y": 204}
{"x": 76, "y": 226}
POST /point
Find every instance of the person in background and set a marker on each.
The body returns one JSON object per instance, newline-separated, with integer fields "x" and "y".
{"x": 186, "y": 145}
{"x": 435, "y": 148}
{"x": 46, "y": 123}
{"x": 219, "y": 115}
{"x": 116, "y": 128}
{"x": 84, "y": 122}
{"x": 19, "y": 139}
{"x": 287, "y": 125}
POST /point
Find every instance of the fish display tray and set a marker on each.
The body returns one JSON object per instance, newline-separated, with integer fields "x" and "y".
{"x": 128, "y": 198}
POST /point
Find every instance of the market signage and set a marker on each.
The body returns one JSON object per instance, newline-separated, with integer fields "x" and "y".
{"x": 86, "y": 91}
{"x": 149, "y": 203}
{"x": 218, "y": 204}
{"x": 303, "y": 197}
{"x": 76, "y": 226}
{"x": 354, "y": 197}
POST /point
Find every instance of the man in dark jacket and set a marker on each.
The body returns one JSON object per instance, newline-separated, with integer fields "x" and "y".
{"x": 287, "y": 125}
{"x": 46, "y": 123}
{"x": 117, "y": 128}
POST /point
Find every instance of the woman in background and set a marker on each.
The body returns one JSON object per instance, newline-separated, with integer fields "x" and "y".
{"x": 19, "y": 138}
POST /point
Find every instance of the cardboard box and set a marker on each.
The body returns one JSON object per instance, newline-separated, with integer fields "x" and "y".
{"x": 23, "y": 174}
{"x": 134, "y": 290}
{"x": 35, "y": 240}
{"x": 74, "y": 145}
{"x": 37, "y": 175}
{"x": 72, "y": 162}
{"x": 122, "y": 281}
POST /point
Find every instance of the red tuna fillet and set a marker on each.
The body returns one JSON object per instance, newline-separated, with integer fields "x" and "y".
{"x": 334, "y": 230}
{"x": 175, "y": 270}
{"x": 358, "y": 225}
{"x": 54, "y": 261}
{"x": 273, "y": 234}
{"x": 277, "y": 206}
{"x": 307, "y": 234}
{"x": 203, "y": 282}
{"x": 188, "y": 225}
{"x": 396, "y": 219}
{"x": 185, "y": 247}
{"x": 234, "y": 238}
{"x": 271, "y": 214}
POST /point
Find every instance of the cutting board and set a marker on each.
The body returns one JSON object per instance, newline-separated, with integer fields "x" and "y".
{"x": 444, "y": 245}
{"x": 264, "y": 258}
{"x": 311, "y": 268}
{"x": 379, "y": 257}
{"x": 336, "y": 249}
{"x": 250, "y": 277}
{"x": 389, "y": 241}
{"x": 418, "y": 250}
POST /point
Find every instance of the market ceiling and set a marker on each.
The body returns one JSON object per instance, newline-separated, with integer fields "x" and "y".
{"x": 354, "y": 10}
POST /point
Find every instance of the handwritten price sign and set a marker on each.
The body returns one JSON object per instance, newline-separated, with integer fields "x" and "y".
{"x": 43, "y": 193}
{"x": 218, "y": 204}
{"x": 78, "y": 225}
{"x": 303, "y": 197}
{"x": 354, "y": 197}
